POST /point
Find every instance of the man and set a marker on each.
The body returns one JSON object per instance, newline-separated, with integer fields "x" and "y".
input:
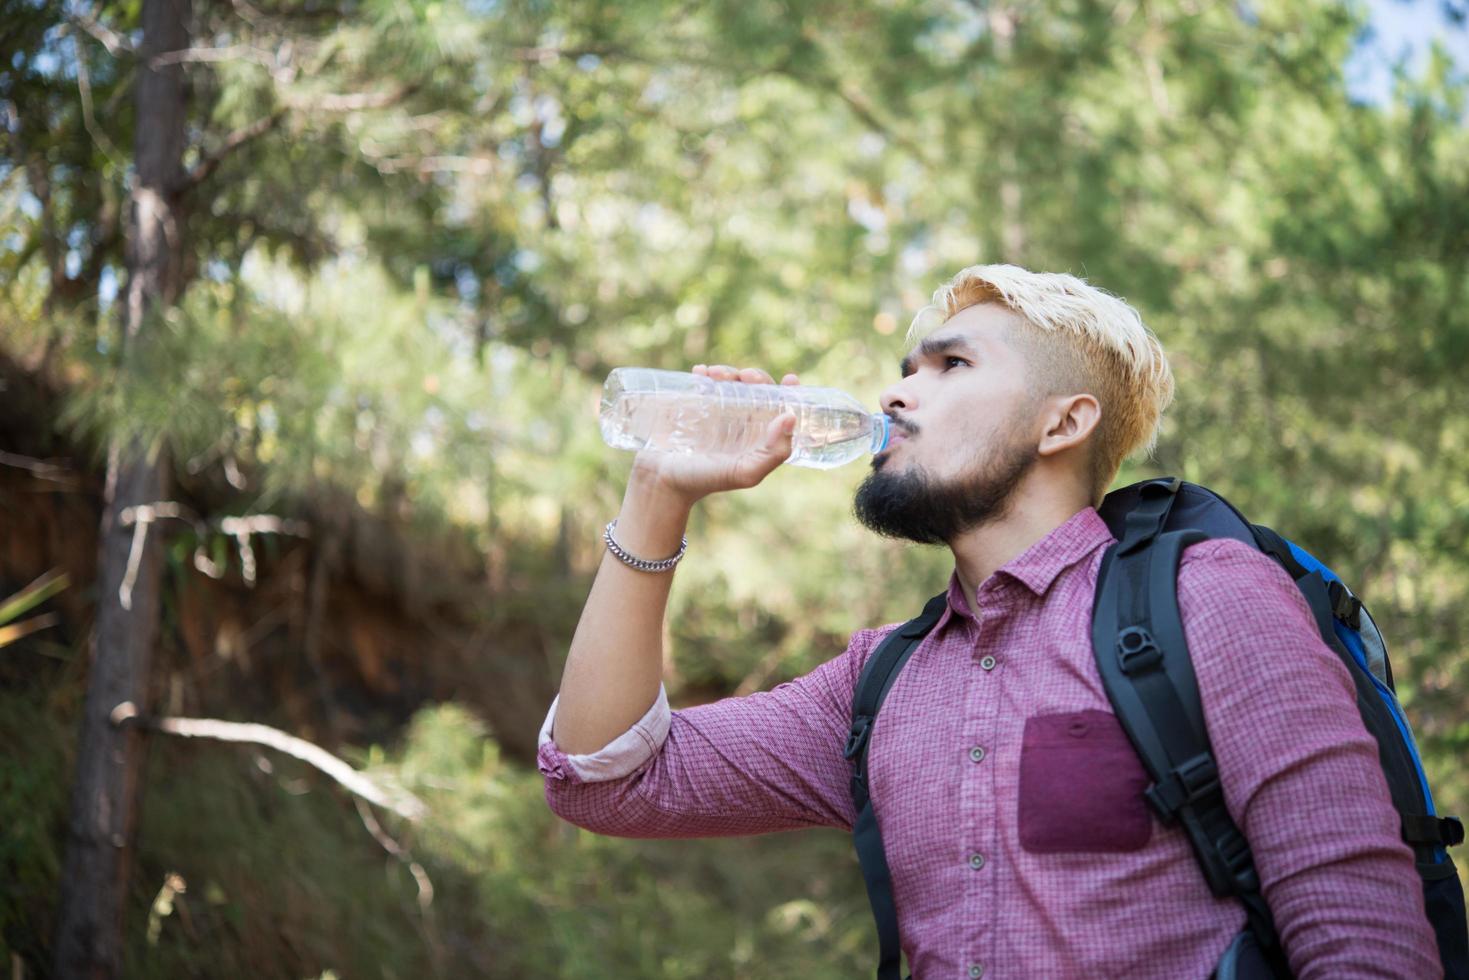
{"x": 1010, "y": 799}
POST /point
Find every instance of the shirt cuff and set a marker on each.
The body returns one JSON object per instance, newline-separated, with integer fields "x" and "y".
{"x": 623, "y": 756}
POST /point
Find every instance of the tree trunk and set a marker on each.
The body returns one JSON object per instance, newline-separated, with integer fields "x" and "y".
{"x": 89, "y": 938}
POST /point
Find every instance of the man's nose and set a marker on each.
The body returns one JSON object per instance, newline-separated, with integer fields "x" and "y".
{"x": 898, "y": 398}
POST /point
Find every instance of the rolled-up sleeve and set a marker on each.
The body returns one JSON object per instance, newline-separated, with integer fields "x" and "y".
{"x": 623, "y": 756}
{"x": 1300, "y": 772}
{"x": 765, "y": 762}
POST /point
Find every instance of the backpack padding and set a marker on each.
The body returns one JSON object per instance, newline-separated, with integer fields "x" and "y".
{"x": 1193, "y": 507}
{"x": 873, "y": 684}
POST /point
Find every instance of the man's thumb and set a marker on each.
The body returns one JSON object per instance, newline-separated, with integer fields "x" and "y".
{"x": 776, "y": 448}
{"x": 782, "y": 435}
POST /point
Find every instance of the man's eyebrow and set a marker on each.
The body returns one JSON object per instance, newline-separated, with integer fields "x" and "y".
{"x": 934, "y": 346}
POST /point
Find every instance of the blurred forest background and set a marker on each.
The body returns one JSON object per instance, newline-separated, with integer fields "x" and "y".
{"x": 329, "y": 288}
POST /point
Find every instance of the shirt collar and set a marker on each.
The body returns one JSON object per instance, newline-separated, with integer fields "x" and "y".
{"x": 1038, "y": 567}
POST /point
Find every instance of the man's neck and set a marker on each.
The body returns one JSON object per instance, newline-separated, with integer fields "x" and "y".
{"x": 1037, "y": 508}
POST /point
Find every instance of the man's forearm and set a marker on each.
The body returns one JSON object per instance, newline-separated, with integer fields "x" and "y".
{"x": 616, "y": 660}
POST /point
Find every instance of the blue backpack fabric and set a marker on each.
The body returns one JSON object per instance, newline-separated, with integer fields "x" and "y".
{"x": 1143, "y": 659}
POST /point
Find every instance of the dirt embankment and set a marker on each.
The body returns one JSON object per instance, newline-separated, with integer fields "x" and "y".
{"x": 342, "y": 634}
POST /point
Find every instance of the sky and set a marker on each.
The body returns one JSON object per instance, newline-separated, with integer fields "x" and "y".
{"x": 1403, "y": 29}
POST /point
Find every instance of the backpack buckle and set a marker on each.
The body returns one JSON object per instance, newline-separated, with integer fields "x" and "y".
{"x": 1184, "y": 786}
{"x": 1344, "y": 606}
{"x": 1432, "y": 831}
{"x": 1136, "y": 650}
{"x": 857, "y": 737}
{"x": 1238, "y": 862}
{"x": 1235, "y": 851}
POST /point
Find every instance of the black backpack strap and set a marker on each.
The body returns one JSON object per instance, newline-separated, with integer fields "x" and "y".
{"x": 1146, "y": 519}
{"x": 873, "y": 685}
{"x": 1143, "y": 658}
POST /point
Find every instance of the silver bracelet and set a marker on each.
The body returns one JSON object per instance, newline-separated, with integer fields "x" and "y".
{"x": 641, "y": 564}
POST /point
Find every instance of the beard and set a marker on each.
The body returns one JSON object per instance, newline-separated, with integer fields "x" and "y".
{"x": 912, "y": 506}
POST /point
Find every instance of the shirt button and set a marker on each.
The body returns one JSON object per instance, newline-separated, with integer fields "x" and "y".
{"x": 988, "y": 663}
{"x": 976, "y": 861}
{"x": 976, "y": 754}
{"x": 976, "y": 970}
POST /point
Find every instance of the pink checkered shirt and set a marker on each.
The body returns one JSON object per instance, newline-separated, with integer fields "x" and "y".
{"x": 995, "y": 765}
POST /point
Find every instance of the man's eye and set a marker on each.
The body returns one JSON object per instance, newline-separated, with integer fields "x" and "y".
{"x": 951, "y": 361}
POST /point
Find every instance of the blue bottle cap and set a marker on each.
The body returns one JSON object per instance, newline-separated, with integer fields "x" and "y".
{"x": 882, "y": 429}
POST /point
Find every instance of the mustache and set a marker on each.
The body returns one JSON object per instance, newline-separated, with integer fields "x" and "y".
{"x": 903, "y": 425}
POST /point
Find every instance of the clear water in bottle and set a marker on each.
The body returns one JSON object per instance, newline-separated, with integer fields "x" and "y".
{"x": 671, "y": 411}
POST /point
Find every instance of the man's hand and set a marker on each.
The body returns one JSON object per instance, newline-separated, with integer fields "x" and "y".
{"x": 616, "y": 659}
{"x": 692, "y": 477}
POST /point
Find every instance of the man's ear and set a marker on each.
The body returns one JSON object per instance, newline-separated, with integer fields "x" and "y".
{"x": 1069, "y": 420}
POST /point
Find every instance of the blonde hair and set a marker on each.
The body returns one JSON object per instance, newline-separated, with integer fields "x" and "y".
{"x": 1075, "y": 338}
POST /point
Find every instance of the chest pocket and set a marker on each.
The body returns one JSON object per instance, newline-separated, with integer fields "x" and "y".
{"x": 1081, "y": 786}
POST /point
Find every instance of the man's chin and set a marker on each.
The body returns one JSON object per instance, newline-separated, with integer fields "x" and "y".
{"x": 891, "y": 502}
{"x": 900, "y": 499}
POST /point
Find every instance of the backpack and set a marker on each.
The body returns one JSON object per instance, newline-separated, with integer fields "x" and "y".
{"x": 1143, "y": 659}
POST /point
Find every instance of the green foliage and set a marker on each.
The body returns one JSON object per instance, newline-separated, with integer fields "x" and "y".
{"x": 33, "y": 796}
{"x": 410, "y": 284}
{"x": 279, "y": 877}
{"x": 628, "y": 908}
{"x": 28, "y": 598}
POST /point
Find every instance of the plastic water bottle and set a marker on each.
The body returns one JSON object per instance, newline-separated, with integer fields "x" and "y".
{"x": 670, "y": 411}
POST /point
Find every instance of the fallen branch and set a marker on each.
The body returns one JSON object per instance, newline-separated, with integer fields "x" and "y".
{"x": 399, "y": 801}
{"x": 420, "y": 878}
{"x": 42, "y": 469}
{"x": 243, "y": 527}
{"x": 140, "y": 516}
